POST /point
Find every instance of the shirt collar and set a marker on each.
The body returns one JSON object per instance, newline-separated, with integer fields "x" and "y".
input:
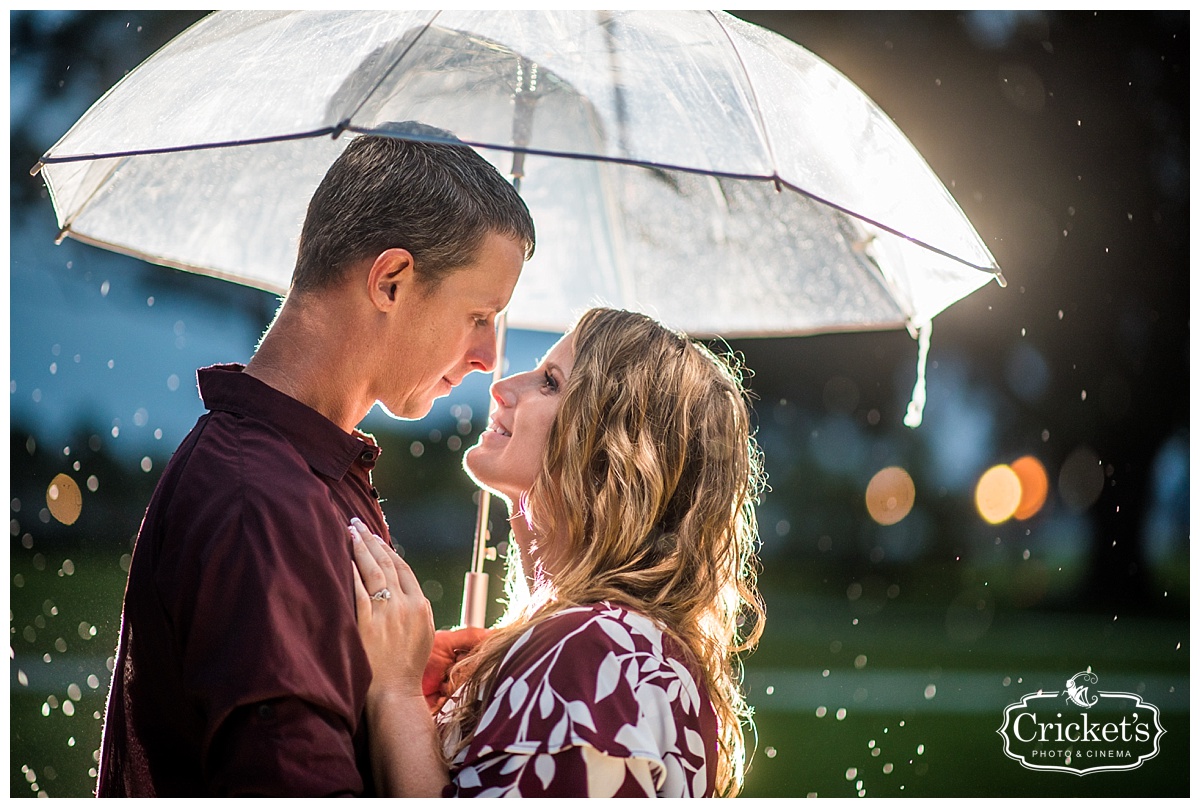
{"x": 328, "y": 449}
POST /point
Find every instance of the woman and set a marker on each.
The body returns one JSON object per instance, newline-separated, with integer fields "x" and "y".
{"x": 630, "y": 474}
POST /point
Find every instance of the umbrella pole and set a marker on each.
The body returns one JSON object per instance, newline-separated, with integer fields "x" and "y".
{"x": 475, "y": 587}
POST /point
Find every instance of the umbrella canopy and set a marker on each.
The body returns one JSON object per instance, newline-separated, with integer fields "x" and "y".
{"x": 686, "y": 164}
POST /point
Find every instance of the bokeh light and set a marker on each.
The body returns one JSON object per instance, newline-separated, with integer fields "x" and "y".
{"x": 890, "y": 495}
{"x": 1035, "y": 485}
{"x": 998, "y": 494}
{"x": 64, "y": 499}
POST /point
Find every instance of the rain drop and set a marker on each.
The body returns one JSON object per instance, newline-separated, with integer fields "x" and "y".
{"x": 840, "y": 714}
{"x": 68, "y": 708}
{"x": 930, "y": 692}
{"x": 921, "y": 749}
{"x": 771, "y": 688}
{"x": 851, "y": 773}
{"x": 454, "y": 443}
{"x": 104, "y": 287}
{"x": 147, "y": 464}
{"x": 150, "y": 301}
{"x": 172, "y": 382}
{"x": 93, "y": 681}
{"x": 93, "y": 483}
{"x": 887, "y": 768}
{"x": 770, "y": 750}
{"x": 417, "y": 448}
{"x": 821, "y": 711}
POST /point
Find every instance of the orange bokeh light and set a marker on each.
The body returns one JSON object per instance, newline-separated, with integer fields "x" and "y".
{"x": 1035, "y": 485}
{"x": 890, "y": 495}
{"x": 998, "y": 494}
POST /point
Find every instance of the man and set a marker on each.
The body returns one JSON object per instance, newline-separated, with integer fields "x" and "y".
{"x": 239, "y": 669}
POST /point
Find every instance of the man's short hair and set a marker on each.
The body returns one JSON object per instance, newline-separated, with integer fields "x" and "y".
{"x": 438, "y": 200}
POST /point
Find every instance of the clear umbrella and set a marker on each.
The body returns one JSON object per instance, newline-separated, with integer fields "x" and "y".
{"x": 686, "y": 164}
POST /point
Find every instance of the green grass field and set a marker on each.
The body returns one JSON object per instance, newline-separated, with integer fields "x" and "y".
{"x": 820, "y": 655}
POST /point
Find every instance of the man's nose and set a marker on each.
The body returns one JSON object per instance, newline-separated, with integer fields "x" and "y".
{"x": 482, "y": 355}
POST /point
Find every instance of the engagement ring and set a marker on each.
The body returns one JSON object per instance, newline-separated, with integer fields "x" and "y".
{"x": 382, "y": 594}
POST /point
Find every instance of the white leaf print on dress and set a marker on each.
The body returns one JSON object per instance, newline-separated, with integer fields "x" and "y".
{"x": 580, "y": 714}
{"x": 618, "y": 632}
{"x": 546, "y": 700}
{"x": 543, "y": 766}
{"x": 517, "y": 695}
{"x": 607, "y": 677}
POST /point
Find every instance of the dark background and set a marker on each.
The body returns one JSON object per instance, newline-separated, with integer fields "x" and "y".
{"x": 1063, "y": 136}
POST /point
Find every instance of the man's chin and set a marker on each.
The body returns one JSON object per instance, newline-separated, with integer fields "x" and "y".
{"x": 413, "y": 411}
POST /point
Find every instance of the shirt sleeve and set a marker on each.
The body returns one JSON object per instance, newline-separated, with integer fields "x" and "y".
{"x": 588, "y": 704}
{"x": 260, "y": 590}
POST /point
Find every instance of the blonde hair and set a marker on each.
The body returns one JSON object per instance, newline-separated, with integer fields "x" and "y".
{"x": 649, "y": 484}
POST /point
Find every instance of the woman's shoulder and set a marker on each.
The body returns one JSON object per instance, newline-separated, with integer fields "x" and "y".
{"x": 605, "y": 677}
{"x": 609, "y": 657}
{"x": 593, "y": 631}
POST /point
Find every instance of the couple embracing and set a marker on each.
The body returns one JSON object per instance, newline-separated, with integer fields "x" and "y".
{"x": 273, "y": 643}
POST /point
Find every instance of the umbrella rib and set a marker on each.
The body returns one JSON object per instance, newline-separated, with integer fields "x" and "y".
{"x": 762, "y": 123}
{"x": 730, "y": 175}
{"x": 394, "y": 65}
{"x": 258, "y": 141}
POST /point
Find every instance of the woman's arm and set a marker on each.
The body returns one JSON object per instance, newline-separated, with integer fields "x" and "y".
{"x": 397, "y": 633}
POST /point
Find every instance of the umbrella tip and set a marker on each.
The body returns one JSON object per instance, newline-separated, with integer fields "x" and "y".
{"x": 33, "y": 172}
{"x": 1000, "y": 278}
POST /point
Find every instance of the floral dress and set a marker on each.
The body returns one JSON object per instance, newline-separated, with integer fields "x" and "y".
{"x": 594, "y": 701}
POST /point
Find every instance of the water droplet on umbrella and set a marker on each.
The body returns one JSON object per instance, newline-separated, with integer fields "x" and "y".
{"x": 147, "y": 464}
{"x": 851, "y": 773}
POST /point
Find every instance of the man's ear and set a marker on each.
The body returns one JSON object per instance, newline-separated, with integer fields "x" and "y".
{"x": 391, "y": 278}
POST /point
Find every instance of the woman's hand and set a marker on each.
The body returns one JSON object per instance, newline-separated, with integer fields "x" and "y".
{"x": 395, "y": 620}
{"x": 448, "y": 647}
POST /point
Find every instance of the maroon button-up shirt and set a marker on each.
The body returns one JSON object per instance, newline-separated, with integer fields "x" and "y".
{"x": 239, "y": 669}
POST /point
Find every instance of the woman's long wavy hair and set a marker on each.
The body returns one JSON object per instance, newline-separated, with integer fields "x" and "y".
{"x": 649, "y": 485}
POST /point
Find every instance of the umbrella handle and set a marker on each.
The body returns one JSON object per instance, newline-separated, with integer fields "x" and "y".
{"x": 474, "y": 604}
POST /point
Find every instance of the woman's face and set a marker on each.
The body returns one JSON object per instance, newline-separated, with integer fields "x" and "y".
{"x": 508, "y": 456}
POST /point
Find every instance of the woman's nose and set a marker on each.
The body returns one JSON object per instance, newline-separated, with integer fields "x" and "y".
{"x": 502, "y": 392}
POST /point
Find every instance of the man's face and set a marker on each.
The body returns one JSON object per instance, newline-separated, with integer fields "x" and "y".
{"x": 442, "y": 335}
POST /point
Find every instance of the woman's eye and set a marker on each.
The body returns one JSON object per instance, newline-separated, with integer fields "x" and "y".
{"x": 549, "y": 382}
